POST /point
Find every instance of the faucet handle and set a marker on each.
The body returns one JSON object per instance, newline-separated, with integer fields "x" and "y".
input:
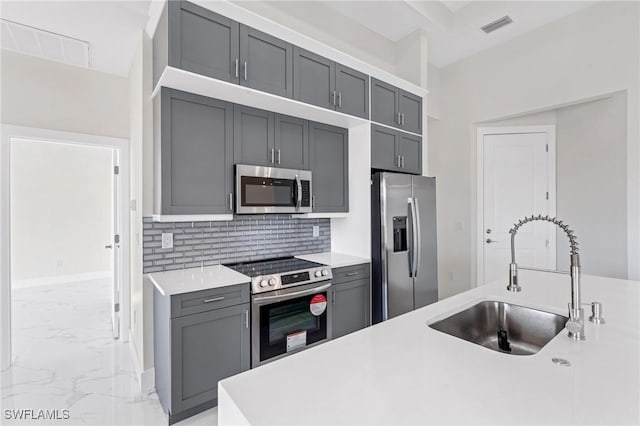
{"x": 596, "y": 313}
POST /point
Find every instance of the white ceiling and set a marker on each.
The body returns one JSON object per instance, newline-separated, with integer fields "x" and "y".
{"x": 454, "y": 30}
{"x": 112, "y": 28}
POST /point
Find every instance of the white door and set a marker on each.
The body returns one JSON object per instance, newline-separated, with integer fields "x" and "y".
{"x": 114, "y": 246}
{"x": 517, "y": 182}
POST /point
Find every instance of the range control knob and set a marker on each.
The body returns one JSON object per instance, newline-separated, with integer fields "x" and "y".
{"x": 272, "y": 281}
{"x": 317, "y": 273}
{"x": 325, "y": 272}
{"x": 264, "y": 283}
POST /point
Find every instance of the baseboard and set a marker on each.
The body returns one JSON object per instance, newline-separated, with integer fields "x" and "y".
{"x": 146, "y": 378}
{"x": 61, "y": 279}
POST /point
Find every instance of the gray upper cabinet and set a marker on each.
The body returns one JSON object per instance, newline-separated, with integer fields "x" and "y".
{"x": 329, "y": 161}
{"x": 291, "y": 142}
{"x": 206, "y": 348}
{"x": 194, "y": 136}
{"x": 384, "y": 103}
{"x": 395, "y": 107}
{"x": 410, "y": 151}
{"x": 410, "y": 109}
{"x": 266, "y": 62}
{"x": 395, "y": 151}
{"x": 314, "y": 79}
{"x": 253, "y": 134}
{"x": 352, "y": 89}
{"x": 351, "y": 299}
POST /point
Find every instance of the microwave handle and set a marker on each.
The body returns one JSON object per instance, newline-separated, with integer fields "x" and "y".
{"x": 299, "y": 192}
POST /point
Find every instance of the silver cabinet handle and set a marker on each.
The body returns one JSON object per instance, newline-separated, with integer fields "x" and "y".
{"x": 402, "y": 119}
{"x": 231, "y": 201}
{"x": 333, "y": 98}
{"x": 350, "y": 274}
{"x": 398, "y": 118}
{"x": 245, "y": 70}
{"x": 237, "y": 67}
{"x": 273, "y": 155}
{"x": 398, "y": 161}
{"x": 213, "y": 299}
{"x": 402, "y": 161}
{"x": 339, "y": 99}
{"x": 246, "y": 319}
{"x": 279, "y": 156}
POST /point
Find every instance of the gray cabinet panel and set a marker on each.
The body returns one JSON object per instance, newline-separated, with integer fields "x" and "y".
{"x": 313, "y": 78}
{"x": 384, "y": 103}
{"x": 330, "y": 167}
{"x": 202, "y": 41}
{"x": 410, "y": 149}
{"x": 410, "y": 108}
{"x": 206, "y": 348}
{"x": 253, "y": 136}
{"x": 353, "y": 91}
{"x": 351, "y": 306}
{"x": 384, "y": 148}
{"x": 266, "y": 62}
{"x": 196, "y": 154}
{"x": 291, "y": 142}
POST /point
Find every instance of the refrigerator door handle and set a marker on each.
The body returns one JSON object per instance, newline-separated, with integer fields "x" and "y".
{"x": 412, "y": 236}
{"x": 417, "y": 235}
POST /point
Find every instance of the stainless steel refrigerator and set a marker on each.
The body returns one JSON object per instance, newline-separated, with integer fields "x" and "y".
{"x": 404, "y": 255}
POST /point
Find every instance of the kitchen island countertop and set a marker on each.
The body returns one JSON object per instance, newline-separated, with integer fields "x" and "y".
{"x": 403, "y": 372}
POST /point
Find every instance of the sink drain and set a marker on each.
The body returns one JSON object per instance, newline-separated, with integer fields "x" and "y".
{"x": 561, "y": 361}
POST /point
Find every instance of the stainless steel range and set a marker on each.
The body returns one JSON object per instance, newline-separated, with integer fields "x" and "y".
{"x": 291, "y": 306}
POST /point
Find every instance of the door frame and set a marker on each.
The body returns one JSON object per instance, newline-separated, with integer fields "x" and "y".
{"x": 550, "y": 131}
{"x": 121, "y": 147}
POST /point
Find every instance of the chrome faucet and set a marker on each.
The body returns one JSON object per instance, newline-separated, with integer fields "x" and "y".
{"x": 575, "y": 325}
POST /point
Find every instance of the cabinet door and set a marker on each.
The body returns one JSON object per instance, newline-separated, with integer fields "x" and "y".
{"x": 206, "y": 348}
{"x": 410, "y": 150}
{"x": 292, "y": 142}
{"x": 410, "y": 108}
{"x": 353, "y": 91}
{"x": 384, "y": 103}
{"x": 203, "y": 41}
{"x": 384, "y": 148}
{"x": 266, "y": 62}
{"x": 351, "y": 307}
{"x": 330, "y": 167}
{"x": 196, "y": 154}
{"x": 313, "y": 79}
{"x": 253, "y": 136}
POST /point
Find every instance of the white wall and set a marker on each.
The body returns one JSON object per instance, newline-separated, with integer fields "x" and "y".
{"x": 51, "y": 95}
{"x": 61, "y": 208}
{"x": 591, "y": 53}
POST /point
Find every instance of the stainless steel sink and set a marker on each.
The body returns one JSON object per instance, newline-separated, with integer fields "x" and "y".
{"x": 503, "y": 327}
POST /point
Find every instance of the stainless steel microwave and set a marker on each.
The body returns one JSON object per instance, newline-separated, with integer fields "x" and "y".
{"x": 272, "y": 190}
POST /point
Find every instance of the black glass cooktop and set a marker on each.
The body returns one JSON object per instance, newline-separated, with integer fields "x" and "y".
{"x": 279, "y": 265}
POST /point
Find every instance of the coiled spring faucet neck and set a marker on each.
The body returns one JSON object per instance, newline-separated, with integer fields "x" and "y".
{"x": 576, "y": 313}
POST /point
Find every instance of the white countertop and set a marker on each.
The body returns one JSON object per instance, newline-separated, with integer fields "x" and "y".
{"x": 334, "y": 260}
{"x": 181, "y": 281}
{"x": 403, "y": 372}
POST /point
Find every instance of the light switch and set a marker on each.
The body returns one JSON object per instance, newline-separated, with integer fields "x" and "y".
{"x": 316, "y": 231}
{"x": 167, "y": 240}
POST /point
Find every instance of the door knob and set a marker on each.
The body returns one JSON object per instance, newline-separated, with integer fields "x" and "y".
{"x": 488, "y": 230}
{"x": 109, "y": 246}
{"x": 489, "y": 241}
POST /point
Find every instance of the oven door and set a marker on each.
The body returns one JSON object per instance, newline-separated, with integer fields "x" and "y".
{"x": 286, "y": 321}
{"x": 272, "y": 190}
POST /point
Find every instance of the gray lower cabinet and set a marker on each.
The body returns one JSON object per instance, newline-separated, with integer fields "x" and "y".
{"x": 329, "y": 159}
{"x": 253, "y": 134}
{"x": 194, "y": 139}
{"x": 396, "y": 151}
{"x": 351, "y": 299}
{"x": 193, "y": 352}
{"x": 395, "y": 107}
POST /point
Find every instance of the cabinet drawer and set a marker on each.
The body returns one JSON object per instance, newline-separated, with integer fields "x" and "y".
{"x": 207, "y": 300}
{"x": 350, "y": 273}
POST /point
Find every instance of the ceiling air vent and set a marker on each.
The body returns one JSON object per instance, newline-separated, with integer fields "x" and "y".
{"x": 497, "y": 24}
{"x": 44, "y": 44}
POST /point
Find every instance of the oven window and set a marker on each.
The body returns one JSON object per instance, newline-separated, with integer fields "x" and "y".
{"x": 278, "y": 320}
{"x": 261, "y": 192}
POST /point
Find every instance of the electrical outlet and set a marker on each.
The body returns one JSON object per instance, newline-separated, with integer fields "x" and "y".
{"x": 167, "y": 240}
{"x": 316, "y": 231}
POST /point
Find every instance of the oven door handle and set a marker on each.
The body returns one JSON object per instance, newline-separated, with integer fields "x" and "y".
{"x": 264, "y": 299}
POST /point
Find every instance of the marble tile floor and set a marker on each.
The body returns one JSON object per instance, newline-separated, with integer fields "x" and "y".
{"x": 65, "y": 358}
